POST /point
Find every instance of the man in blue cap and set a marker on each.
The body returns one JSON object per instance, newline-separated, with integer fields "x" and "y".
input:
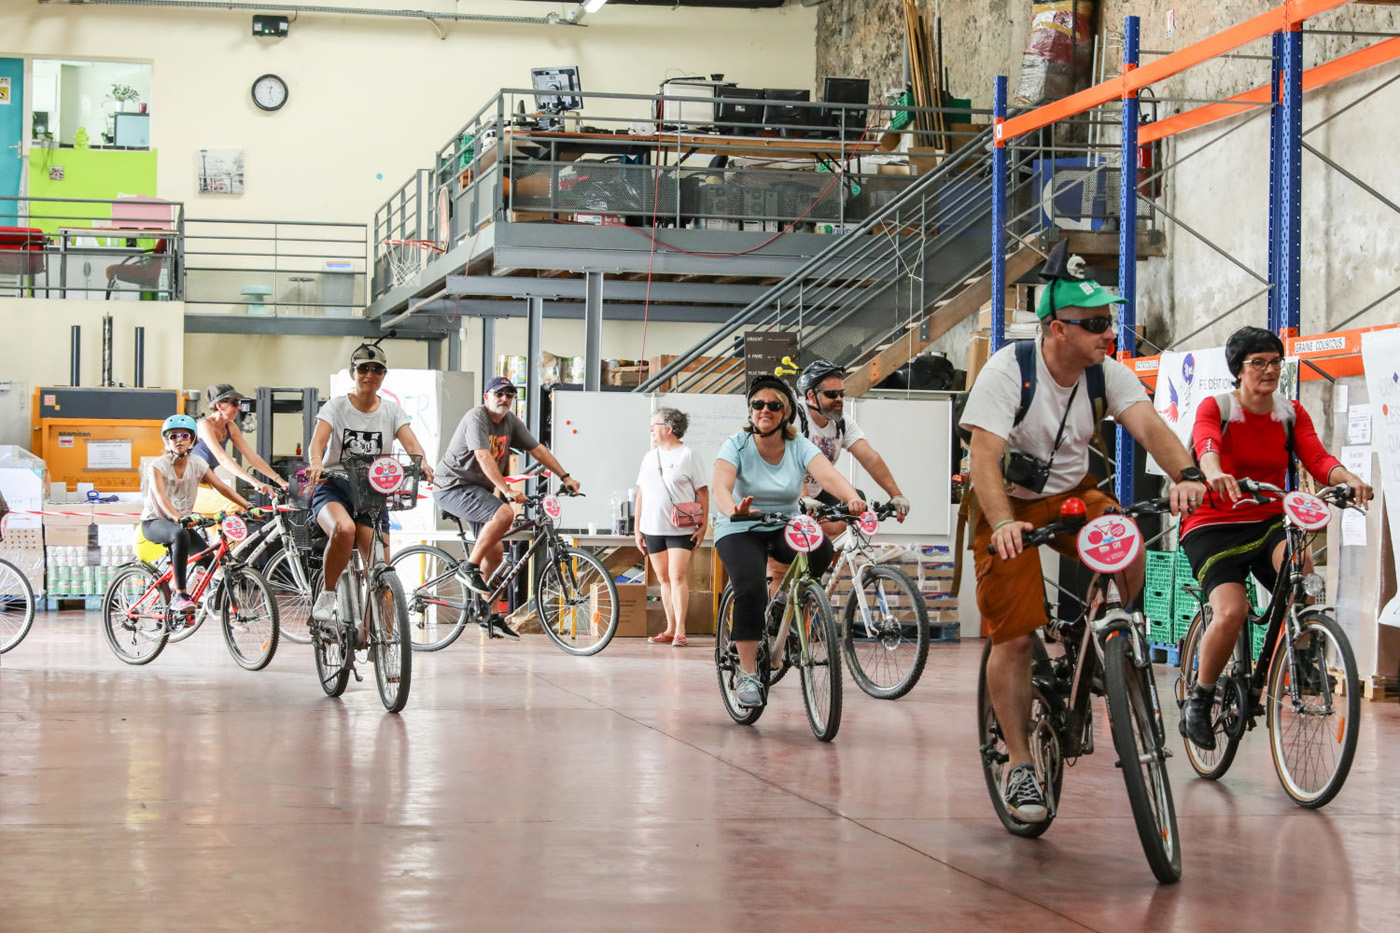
{"x": 471, "y": 480}
{"x": 1032, "y": 414}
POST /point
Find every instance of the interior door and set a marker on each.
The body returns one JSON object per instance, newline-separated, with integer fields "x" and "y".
{"x": 11, "y": 136}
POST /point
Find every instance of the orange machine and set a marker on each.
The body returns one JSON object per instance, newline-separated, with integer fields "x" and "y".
{"x": 99, "y": 436}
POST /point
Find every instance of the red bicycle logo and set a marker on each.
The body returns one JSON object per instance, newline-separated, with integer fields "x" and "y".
{"x": 386, "y": 475}
{"x": 1109, "y": 543}
{"x": 551, "y": 507}
{"x": 868, "y": 522}
{"x": 804, "y": 534}
{"x": 235, "y": 528}
{"x": 1308, "y": 512}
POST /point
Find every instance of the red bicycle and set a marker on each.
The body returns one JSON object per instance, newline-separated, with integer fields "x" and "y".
{"x": 136, "y": 611}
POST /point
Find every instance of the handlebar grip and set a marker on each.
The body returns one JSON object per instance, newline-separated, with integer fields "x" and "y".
{"x": 746, "y": 516}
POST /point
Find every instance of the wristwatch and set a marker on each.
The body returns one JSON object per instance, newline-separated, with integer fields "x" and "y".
{"x": 1191, "y": 475}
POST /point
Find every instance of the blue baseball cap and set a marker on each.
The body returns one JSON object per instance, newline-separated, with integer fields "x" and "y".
{"x": 498, "y": 382}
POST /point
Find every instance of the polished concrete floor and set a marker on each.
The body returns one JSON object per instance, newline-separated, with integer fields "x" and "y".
{"x": 526, "y": 790}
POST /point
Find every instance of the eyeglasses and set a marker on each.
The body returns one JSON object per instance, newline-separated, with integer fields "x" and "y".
{"x": 370, "y": 369}
{"x": 658, "y": 424}
{"x": 503, "y": 393}
{"x": 1260, "y": 365}
{"x": 834, "y": 393}
{"x": 1094, "y": 325}
{"x": 179, "y": 436}
{"x": 759, "y": 405}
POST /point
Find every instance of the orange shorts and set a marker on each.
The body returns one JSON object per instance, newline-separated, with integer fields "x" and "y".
{"x": 1011, "y": 593}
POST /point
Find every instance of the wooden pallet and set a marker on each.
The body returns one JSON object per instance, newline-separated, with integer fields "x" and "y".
{"x": 52, "y": 603}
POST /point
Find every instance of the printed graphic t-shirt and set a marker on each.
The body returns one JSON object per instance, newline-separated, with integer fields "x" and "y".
{"x": 831, "y": 442}
{"x": 476, "y": 431}
{"x": 358, "y": 433}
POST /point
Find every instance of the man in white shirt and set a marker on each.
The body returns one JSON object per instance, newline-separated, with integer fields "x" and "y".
{"x": 822, "y": 387}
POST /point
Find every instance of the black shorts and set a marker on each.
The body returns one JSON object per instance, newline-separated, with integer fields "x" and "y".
{"x": 1230, "y": 553}
{"x": 658, "y": 543}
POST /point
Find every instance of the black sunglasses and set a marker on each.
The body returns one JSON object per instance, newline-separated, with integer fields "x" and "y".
{"x": 503, "y": 393}
{"x": 759, "y": 405}
{"x": 834, "y": 393}
{"x": 1094, "y": 325}
{"x": 371, "y": 369}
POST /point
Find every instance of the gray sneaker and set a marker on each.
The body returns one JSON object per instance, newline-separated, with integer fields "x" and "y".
{"x": 1022, "y": 795}
{"x": 749, "y": 691}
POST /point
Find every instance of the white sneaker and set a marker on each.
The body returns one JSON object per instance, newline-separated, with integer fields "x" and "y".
{"x": 324, "y": 609}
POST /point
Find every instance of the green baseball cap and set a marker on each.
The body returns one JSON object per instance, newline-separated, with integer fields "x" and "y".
{"x": 1074, "y": 293}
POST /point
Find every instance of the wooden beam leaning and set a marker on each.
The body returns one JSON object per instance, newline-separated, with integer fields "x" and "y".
{"x": 962, "y": 306}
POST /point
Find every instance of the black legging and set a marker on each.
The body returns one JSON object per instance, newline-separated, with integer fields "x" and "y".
{"x": 181, "y": 541}
{"x": 745, "y": 557}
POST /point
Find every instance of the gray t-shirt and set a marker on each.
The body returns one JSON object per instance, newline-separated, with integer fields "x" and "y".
{"x": 476, "y": 431}
{"x": 355, "y": 432}
{"x": 180, "y": 490}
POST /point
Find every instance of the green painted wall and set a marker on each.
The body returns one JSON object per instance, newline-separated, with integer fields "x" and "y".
{"x": 87, "y": 173}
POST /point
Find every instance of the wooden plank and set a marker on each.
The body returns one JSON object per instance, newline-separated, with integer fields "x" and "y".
{"x": 963, "y": 305}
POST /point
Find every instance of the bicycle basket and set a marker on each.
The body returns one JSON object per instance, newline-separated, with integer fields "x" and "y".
{"x": 300, "y": 526}
{"x": 386, "y": 483}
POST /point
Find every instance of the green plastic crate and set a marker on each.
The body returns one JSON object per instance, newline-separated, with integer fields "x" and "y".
{"x": 1161, "y": 572}
{"x": 1160, "y": 632}
{"x": 1182, "y": 573}
{"x": 1157, "y": 606}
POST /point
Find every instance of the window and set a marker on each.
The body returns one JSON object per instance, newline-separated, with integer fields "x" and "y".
{"x": 105, "y": 103}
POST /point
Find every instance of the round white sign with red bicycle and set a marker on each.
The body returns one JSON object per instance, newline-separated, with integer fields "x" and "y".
{"x": 1308, "y": 512}
{"x": 1109, "y": 543}
{"x": 235, "y": 528}
{"x": 804, "y": 534}
{"x": 551, "y": 507}
{"x": 385, "y": 475}
{"x": 869, "y": 523}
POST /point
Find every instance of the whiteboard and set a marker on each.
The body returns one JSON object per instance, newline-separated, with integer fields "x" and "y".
{"x": 601, "y": 438}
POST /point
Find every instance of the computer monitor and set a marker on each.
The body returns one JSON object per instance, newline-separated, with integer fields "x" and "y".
{"x": 846, "y": 121}
{"x": 780, "y": 114}
{"x": 742, "y": 115}
{"x": 556, "y": 89}
{"x": 131, "y": 130}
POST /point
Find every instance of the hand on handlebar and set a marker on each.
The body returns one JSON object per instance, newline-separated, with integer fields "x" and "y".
{"x": 901, "y": 507}
{"x": 190, "y": 521}
{"x": 1225, "y": 485}
{"x": 1006, "y": 541}
{"x": 1186, "y": 496}
{"x": 742, "y": 507}
{"x": 513, "y": 495}
{"x": 855, "y": 505}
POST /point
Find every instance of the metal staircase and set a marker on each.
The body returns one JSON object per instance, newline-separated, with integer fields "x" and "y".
{"x": 879, "y": 295}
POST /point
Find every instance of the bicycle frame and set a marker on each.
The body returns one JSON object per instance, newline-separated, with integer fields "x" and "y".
{"x": 856, "y": 555}
{"x": 222, "y": 557}
{"x": 791, "y": 583}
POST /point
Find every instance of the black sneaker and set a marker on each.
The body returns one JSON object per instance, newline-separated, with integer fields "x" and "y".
{"x": 1022, "y": 795}
{"x": 1196, "y": 722}
{"x": 496, "y": 627}
{"x": 471, "y": 576}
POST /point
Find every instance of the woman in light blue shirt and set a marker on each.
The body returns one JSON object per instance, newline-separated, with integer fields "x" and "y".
{"x": 762, "y": 469}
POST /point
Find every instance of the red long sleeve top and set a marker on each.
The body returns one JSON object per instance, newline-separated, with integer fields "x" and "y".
{"x": 1254, "y": 446}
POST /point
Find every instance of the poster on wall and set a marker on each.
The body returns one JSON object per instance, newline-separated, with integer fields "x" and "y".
{"x": 1380, "y": 354}
{"x": 220, "y": 171}
{"x": 1183, "y": 380}
{"x": 4, "y": 92}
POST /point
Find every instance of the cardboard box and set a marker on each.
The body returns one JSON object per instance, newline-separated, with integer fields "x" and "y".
{"x": 923, "y": 160}
{"x": 69, "y": 529}
{"x": 24, "y": 547}
{"x": 631, "y": 609}
{"x": 699, "y": 613}
{"x": 977, "y": 350}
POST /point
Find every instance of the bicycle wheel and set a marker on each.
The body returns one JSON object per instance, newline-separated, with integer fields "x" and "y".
{"x": 389, "y": 642}
{"x": 727, "y": 662}
{"x": 133, "y": 616}
{"x": 886, "y": 650}
{"x": 820, "y": 664}
{"x": 249, "y": 618}
{"x": 209, "y": 604}
{"x": 576, "y": 600}
{"x": 294, "y": 600}
{"x": 332, "y": 642}
{"x": 437, "y": 599}
{"x": 1210, "y": 764}
{"x": 1313, "y": 737}
{"x": 1044, "y": 744}
{"x": 1133, "y": 721}
{"x": 16, "y": 606}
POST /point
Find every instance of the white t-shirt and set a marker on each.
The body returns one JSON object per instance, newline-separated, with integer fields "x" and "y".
{"x": 180, "y": 490}
{"x": 830, "y": 444}
{"x": 357, "y": 432}
{"x": 991, "y": 406}
{"x": 684, "y": 478}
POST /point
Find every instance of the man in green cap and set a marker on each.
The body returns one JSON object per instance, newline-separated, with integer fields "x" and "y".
{"x": 1045, "y": 442}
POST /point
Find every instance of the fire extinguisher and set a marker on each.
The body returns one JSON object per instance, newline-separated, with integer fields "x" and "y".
{"x": 1149, "y": 158}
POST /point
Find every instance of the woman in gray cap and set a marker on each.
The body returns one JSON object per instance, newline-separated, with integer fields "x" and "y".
{"x": 219, "y": 427}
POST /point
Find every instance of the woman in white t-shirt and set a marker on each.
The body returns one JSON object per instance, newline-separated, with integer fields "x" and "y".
{"x": 670, "y": 474}
{"x": 360, "y": 423}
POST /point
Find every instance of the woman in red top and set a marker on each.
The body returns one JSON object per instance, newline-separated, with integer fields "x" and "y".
{"x": 1225, "y": 544}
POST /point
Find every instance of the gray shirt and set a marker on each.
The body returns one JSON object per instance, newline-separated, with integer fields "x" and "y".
{"x": 476, "y": 431}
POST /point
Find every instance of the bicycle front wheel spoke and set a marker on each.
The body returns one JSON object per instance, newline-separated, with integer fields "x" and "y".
{"x": 437, "y": 597}
{"x": 390, "y": 647}
{"x": 885, "y": 632}
{"x": 1314, "y": 709}
{"x": 16, "y": 606}
{"x": 134, "y": 614}
{"x": 820, "y": 662}
{"x": 294, "y": 599}
{"x": 576, "y": 601}
{"x": 1208, "y": 763}
{"x": 249, "y": 619}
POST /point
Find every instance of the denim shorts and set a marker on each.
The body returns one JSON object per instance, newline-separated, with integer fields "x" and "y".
{"x": 337, "y": 489}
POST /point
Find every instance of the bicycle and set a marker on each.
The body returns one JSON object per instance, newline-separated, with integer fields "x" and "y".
{"x": 1104, "y": 652}
{"x": 287, "y": 543}
{"x": 16, "y": 602}
{"x": 884, "y": 625}
{"x": 1306, "y": 659}
{"x": 810, "y": 645}
{"x": 575, "y": 596}
{"x": 369, "y": 590}
{"x": 136, "y": 616}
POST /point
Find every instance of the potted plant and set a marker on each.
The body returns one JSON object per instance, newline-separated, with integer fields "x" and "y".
{"x": 124, "y": 94}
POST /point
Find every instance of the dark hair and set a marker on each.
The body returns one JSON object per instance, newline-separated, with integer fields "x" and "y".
{"x": 675, "y": 419}
{"x": 1249, "y": 340}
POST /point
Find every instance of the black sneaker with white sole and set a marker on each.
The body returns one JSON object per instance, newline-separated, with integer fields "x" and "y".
{"x": 1023, "y": 796}
{"x": 473, "y": 579}
{"x": 496, "y": 627}
{"x": 1196, "y": 722}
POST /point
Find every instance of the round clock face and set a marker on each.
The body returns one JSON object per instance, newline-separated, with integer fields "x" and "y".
{"x": 270, "y": 92}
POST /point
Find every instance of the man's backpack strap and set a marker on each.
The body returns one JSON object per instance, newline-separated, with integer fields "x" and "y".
{"x": 1025, "y": 360}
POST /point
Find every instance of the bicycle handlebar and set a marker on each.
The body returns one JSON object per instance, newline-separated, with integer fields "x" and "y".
{"x": 1072, "y": 524}
{"x": 1341, "y": 495}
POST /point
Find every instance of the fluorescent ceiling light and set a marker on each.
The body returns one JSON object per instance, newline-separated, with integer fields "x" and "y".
{"x": 593, "y": 6}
